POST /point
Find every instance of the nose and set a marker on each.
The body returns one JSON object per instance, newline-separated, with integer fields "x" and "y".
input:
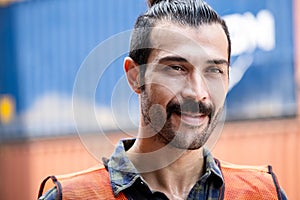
{"x": 196, "y": 88}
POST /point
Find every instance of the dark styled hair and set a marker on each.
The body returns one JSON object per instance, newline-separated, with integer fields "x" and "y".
{"x": 183, "y": 12}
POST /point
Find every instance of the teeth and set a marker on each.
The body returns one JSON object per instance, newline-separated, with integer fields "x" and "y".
{"x": 193, "y": 119}
{"x": 193, "y": 114}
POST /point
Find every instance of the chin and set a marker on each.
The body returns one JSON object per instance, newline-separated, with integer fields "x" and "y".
{"x": 186, "y": 146}
{"x": 189, "y": 140}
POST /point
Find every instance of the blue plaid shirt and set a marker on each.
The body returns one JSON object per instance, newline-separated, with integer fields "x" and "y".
{"x": 125, "y": 178}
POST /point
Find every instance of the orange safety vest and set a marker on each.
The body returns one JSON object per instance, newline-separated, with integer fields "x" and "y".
{"x": 241, "y": 182}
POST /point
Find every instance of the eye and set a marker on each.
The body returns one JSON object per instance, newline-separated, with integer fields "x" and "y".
{"x": 215, "y": 70}
{"x": 176, "y": 67}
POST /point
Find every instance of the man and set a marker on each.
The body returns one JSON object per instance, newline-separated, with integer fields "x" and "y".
{"x": 179, "y": 66}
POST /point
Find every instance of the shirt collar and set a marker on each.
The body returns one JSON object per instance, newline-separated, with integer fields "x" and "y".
{"x": 212, "y": 167}
{"x": 123, "y": 173}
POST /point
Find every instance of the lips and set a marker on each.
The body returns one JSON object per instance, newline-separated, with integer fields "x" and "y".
{"x": 192, "y": 119}
{"x": 190, "y": 113}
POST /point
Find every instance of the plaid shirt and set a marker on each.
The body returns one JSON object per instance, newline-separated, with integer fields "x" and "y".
{"x": 125, "y": 178}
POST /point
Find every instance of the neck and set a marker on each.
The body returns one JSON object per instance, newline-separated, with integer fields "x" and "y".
{"x": 167, "y": 169}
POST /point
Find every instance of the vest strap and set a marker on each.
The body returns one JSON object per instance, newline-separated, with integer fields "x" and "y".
{"x": 275, "y": 182}
{"x": 55, "y": 182}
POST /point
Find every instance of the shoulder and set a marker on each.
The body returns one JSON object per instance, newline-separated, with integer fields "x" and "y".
{"x": 74, "y": 184}
{"x": 251, "y": 180}
{"x": 233, "y": 174}
{"x": 95, "y": 173}
{"x": 247, "y": 169}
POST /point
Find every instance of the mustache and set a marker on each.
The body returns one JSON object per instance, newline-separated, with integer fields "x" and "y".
{"x": 191, "y": 106}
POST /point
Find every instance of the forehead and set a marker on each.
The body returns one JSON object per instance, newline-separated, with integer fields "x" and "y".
{"x": 207, "y": 41}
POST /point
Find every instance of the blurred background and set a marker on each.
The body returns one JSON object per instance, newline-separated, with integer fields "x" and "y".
{"x": 64, "y": 102}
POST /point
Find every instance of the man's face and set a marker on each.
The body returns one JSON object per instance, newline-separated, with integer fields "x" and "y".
{"x": 186, "y": 82}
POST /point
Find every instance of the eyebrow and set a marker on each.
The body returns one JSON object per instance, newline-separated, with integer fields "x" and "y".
{"x": 180, "y": 59}
{"x": 218, "y": 62}
{"x": 173, "y": 58}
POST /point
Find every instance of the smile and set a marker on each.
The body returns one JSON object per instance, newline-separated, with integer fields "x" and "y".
{"x": 192, "y": 119}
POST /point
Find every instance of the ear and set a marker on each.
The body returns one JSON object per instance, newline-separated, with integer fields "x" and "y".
{"x": 132, "y": 71}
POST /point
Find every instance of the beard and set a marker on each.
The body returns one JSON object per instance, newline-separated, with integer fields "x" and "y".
{"x": 180, "y": 136}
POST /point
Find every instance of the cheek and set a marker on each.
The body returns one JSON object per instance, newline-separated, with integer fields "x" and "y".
{"x": 165, "y": 94}
{"x": 161, "y": 89}
{"x": 218, "y": 91}
{"x": 160, "y": 93}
